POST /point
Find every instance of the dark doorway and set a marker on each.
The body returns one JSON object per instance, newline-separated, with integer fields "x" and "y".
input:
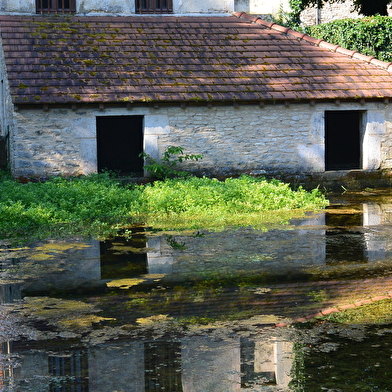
{"x": 3, "y": 152}
{"x": 119, "y": 143}
{"x": 342, "y": 140}
{"x": 123, "y": 258}
{"x": 345, "y": 243}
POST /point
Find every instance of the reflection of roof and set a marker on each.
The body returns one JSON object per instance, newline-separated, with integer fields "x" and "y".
{"x": 53, "y": 59}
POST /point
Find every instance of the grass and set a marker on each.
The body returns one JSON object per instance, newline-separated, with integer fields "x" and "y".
{"x": 98, "y": 205}
{"x": 379, "y": 312}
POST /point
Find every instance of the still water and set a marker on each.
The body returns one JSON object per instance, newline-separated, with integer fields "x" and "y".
{"x": 202, "y": 311}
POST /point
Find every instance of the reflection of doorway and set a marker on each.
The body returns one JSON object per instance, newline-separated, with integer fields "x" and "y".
{"x": 345, "y": 243}
{"x": 342, "y": 140}
{"x": 119, "y": 143}
{"x": 124, "y": 258}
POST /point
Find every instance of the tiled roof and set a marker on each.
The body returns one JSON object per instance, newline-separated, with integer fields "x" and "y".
{"x": 53, "y": 59}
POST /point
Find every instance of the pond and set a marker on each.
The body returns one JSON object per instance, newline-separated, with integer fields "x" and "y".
{"x": 203, "y": 311}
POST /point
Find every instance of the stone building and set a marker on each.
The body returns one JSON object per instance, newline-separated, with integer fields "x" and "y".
{"x": 86, "y": 90}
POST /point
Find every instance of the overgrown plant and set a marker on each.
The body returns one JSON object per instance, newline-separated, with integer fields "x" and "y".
{"x": 99, "y": 206}
{"x": 371, "y": 36}
{"x": 174, "y": 243}
{"x": 292, "y": 18}
{"x": 167, "y": 166}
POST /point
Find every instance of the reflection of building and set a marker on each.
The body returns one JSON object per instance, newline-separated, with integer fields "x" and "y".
{"x": 337, "y": 236}
{"x": 128, "y": 258}
{"x": 68, "y": 372}
{"x": 9, "y": 292}
{"x": 270, "y": 362}
{"x": 7, "y": 373}
{"x": 193, "y": 364}
{"x": 347, "y": 238}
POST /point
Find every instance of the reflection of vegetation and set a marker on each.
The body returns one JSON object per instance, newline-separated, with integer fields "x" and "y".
{"x": 174, "y": 243}
{"x": 342, "y": 358}
{"x": 65, "y": 314}
{"x": 198, "y": 302}
{"x": 375, "y": 313}
{"x": 318, "y": 295}
{"x": 98, "y": 205}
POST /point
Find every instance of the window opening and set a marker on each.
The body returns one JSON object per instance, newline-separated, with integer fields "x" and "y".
{"x": 55, "y": 6}
{"x": 162, "y": 364}
{"x": 154, "y": 6}
{"x": 71, "y": 369}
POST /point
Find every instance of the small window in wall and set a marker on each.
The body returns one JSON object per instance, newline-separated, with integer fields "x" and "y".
{"x": 154, "y": 6}
{"x": 119, "y": 144}
{"x": 343, "y": 139}
{"x": 55, "y": 6}
{"x": 162, "y": 366}
{"x": 71, "y": 369}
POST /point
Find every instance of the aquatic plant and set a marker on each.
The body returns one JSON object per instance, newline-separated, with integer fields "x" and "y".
{"x": 207, "y": 202}
{"x": 99, "y": 205}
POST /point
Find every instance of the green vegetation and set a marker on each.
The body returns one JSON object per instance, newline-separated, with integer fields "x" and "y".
{"x": 60, "y": 207}
{"x": 371, "y": 36}
{"x": 166, "y": 167}
{"x": 209, "y": 203}
{"x": 379, "y": 312}
{"x": 99, "y": 205}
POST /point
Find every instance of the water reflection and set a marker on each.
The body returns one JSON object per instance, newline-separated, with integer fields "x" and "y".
{"x": 75, "y": 315}
{"x": 191, "y": 364}
{"x": 351, "y": 236}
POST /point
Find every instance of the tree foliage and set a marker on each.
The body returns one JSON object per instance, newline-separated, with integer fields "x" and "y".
{"x": 371, "y": 36}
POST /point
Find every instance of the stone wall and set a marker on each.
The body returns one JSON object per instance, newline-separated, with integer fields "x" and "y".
{"x": 121, "y": 7}
{"x": 331, "y": 11}
{"x": 6, "y": 110}
{"x": 249, "y": 139}
{"x": 262, "y": 7}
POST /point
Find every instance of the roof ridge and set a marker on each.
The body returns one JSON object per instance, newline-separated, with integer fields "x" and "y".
{"x": 317, "y": 42}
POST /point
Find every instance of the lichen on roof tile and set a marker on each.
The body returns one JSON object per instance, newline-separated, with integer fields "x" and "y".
{"x": 120, "y": 59}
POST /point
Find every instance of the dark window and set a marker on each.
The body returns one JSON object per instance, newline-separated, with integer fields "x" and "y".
{"x": 55, "y": 6}
{"x": 162, "y": 366}
{"x": 69, "y": 372}
{"x": 154, "y": 6}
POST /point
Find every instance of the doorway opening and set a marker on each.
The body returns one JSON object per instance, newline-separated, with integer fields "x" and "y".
{"x": 119, "y": 144}
{"x": 343, "y": 139}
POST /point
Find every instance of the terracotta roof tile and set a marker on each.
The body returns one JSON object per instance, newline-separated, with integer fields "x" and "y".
{"x": 120, "y": 59}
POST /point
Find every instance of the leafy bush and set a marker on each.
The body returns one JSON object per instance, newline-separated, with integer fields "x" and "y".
{"x": 371, "y": 36}
{"x": 244, "y": 194}
{"x": 205, "y": 202}
{"x": 59, "y": 206}
{"x": 166, "y": 167}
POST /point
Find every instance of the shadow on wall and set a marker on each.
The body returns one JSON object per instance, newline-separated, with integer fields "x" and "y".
{"x": 3, "y": 152}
